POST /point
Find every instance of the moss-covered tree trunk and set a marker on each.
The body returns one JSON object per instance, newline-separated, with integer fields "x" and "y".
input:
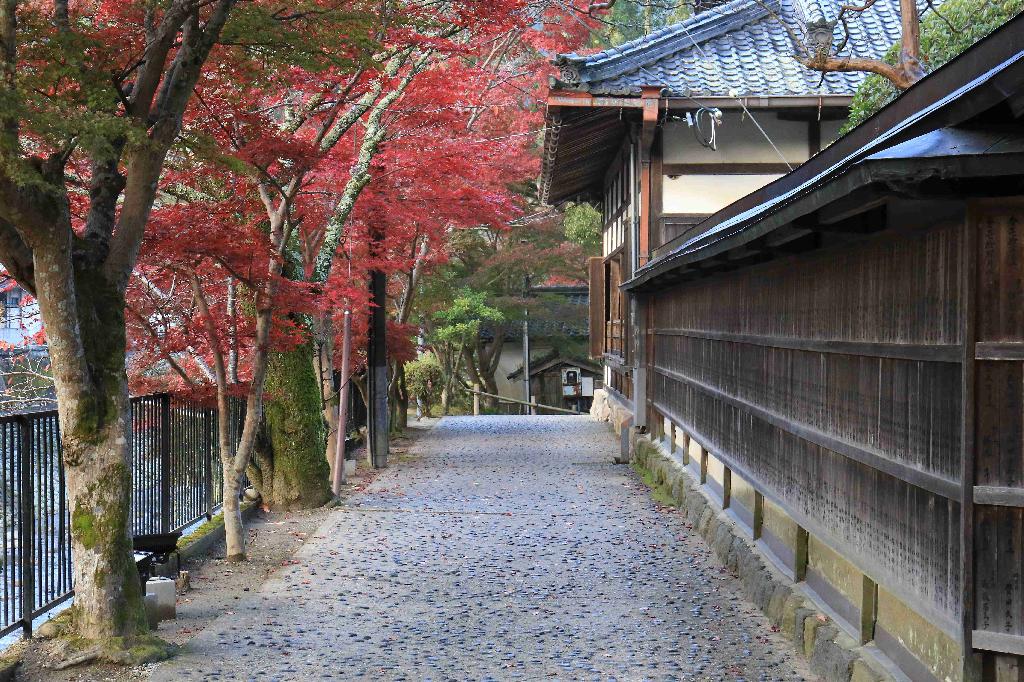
{"x": 292, "y": 468}
{"x": 84, "y": 317}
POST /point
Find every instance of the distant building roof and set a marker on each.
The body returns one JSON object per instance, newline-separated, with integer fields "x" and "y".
{"x": 736, "y": 49}
{"x": 554, "y": 361}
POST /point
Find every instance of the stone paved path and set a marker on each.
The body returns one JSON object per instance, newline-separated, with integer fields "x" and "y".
{"x": 508, "y": 548}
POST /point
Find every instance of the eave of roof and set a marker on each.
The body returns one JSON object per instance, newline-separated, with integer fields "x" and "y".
{"x": 983, "y": 76}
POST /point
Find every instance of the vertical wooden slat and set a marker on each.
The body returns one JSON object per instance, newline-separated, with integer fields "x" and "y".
{"x": 726, "y": 488}
{"x": 703, "y": 465}
{"x": 800, "y": 554}
{"x": 868, "y": 609}
{"x": 758, "y": 515}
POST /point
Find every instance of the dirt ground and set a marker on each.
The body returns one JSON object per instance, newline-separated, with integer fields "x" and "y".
{"x": 217, "y": 586}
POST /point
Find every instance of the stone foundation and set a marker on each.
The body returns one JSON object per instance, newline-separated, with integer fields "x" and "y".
{"x": 832, "y": 654}
{"x": 607, "y": 408}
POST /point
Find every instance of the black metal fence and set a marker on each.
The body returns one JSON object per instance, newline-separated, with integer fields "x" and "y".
{"x": 176, "y": 481}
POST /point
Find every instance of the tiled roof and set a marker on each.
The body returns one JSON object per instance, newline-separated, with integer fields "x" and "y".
{"x": 736, "y": 49}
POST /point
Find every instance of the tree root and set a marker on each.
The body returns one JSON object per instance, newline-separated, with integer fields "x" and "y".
{"x": 128, "y": 651}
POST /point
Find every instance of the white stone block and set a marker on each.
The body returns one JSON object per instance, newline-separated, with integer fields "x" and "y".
{"x": 166, "y": 597}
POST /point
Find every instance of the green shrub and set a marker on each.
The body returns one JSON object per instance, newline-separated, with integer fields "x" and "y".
{"x": 972, "y": 21}
{"x": 425, "y": 379}
{"x": 583, "y": 225}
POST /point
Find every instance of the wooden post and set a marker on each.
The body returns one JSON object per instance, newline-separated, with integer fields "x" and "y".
{"x": 726, "y": 488}
{"x": 208, "y": 463}
{"x": 758, "y": 514}
{"x": 26, "y": 522}
{"x": 165, "y": 464}
{"x": 703, "y": 465}
{"x": 338, "y": 473}
{"x": 686, "y": 448}
{"x": 868, "y": 609}
{"x": 800, "y": 555}
{"x": 672, "y": 438}
{"x": 968, "y": 331}
{"x": 476, "y": 400}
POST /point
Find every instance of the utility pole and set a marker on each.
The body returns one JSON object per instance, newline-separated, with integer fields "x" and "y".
{"x": 377, "y": 365}
{"x": 526, "y": 346}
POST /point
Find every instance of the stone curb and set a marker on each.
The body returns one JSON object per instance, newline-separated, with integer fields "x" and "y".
{"x": 201, "y": 544}
{"x": 832, "y": 654}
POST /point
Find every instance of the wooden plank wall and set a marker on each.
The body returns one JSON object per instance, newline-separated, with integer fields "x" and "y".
{"x": 998, "y": 532}
{"x": 832, "y": 382}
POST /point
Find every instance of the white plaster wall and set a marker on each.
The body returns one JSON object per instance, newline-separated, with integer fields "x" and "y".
{"x": 739, "y": 141}
{"x": 705, "y": 194}
{"x": 512, "y": 359}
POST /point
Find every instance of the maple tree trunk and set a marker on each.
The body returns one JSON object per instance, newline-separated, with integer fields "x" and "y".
{"x": 482, "y": 374}
{"x": 402, "y": 399}
{"x": 323, "y": 365}
{"x": 299, "y": 477}
{"x": 86, "y": 338}
{"x": 446, "y": 400}
{"x": 234, "y": 529}
{"x": 231, "y": 508}
{"x": 398, "y": 401}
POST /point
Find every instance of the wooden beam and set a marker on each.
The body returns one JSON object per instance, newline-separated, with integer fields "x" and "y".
{"x": 651, "y": 102}
{"x": 785, "y": 235}
{"x": 968, "y": 332}
{"x": 923, "y": 352}
{"x": 850, "y": 206}
{"x": 657, "y": 189}
{"x": 935, "y": 483}
{"x": 1010, "y": 350}
{"x": 999, "y": 496}
{"x": 998, "y": 641}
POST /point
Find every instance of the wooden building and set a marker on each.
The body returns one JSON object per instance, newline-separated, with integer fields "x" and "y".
{"x": 839, "y": 358}
{"x": 665, "y": 130}
{"x": 564, "y": 382}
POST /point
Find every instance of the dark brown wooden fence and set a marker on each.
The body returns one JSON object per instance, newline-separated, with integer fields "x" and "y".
{"x": 874, "y": 391}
